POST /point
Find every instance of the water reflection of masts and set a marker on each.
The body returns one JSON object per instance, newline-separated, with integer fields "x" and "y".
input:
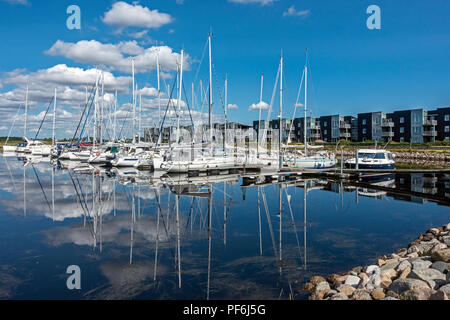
{"x": 177, "y": 199}
{"x": 269, "y": 221}
{"x": 158, "y": 197}
{"x": 24, "y": 191}
{"x": 259, "y": 221}
{"x": 209, "y": 239}
{"x": 133, "y": 218}
{"x": 280, "y": 208}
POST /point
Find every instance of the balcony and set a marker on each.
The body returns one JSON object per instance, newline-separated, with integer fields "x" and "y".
{"x": 387, "y": 123}
{"x": 345, "y": 135}
{"x": 430, "y": 123}
{"x": 344, "y": 125}
{"x": 432, "y": 133}
{"x": 387, "y": 134}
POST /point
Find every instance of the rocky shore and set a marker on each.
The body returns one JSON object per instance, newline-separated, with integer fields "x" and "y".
{"x": 419, "y": 272}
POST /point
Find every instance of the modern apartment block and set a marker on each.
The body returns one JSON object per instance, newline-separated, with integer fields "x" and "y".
{"x": 416, "y": 126}
{"x": 442, "y": 116}
{"x": 313, "y": 129}
{"x": 370, "y": 126}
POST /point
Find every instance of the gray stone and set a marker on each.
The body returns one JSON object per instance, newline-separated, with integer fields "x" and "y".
{"x": 320, "y": 291}
{"x": 439, "y": 295}
{"x": 427, "y": 275}
{"x": 403, "y": 265}
{"x": 447, "y": 227}
{"x": 372, "y": 269}
{"x": 420, "y": 264}
{"x": 390, "y": 298}
{"x": 445, "y": 289}
{"x": 425, "y": 247}
{"x": 346, "y": 289}
{"x": 339, "y": 296}
{"x": 446, "y": 240}
{"x": 441, "y": 255}
{"x": 417, "y": 294}
{"x": 441, "y": 266}
{"x": 352, "y": 281}
{"x": 390, "y": 264}
{"x": 402, "y": 285}
{"x": 361, "y": 294}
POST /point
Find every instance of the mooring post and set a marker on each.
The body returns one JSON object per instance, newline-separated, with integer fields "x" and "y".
{"x": 356, "y": 160}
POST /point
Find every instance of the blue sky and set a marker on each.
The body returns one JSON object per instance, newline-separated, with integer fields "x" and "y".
{"x": 405, "y": 64}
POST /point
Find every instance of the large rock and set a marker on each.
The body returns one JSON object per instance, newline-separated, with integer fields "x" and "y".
{"x": 441, "y": 266}
{"x": 427, "y": 275}
{"x": 352, "y": 281}
{"x": 417, "y": 294}
{"x": 446, "y": 240}
{"x": 378, "y": 294}
{"x": 389, "y": 264}
{"x": 441, "y": 255}
{"x": 320, "y": 290}
{"x": 339, "y": 296}
{"x": 346, "y": 289}
{"x": 438, "y": 247}
{"x": 402, "y": 285}
{"x": 361, "y": 294}
{"x": 403, "y": 265}
{"x": 405, "y": 273}
{"x": 439, "y": 295}
{"x": 372, "y": 269}
{"x": 419, "y": 264}
{"x": 445, "y": 289}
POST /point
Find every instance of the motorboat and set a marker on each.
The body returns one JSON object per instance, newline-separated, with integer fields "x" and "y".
{"x": 371, "y": 159}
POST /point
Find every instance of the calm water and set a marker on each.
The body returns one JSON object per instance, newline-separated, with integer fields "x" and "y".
{"x": 228, "y": 242}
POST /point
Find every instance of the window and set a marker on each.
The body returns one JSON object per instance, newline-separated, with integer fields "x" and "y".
{"x": 325, "y": 131}
{"x": 364, "y": 122}
{"x": 402, "y": 119}
{"x": 447, "y": 117}
{"x": 447, "y": 129}
{"x": 364, "y": 131}
{"x": 402, "y": 139}
{"x": 402, "y": 130}
{"x": 325, "y": 124}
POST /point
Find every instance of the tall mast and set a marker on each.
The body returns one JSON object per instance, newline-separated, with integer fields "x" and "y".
{"x": 95, "y": 114}
{"x": 210, "y": 94}
{"x": 306, "y": 96}
{"x": 54, "y": 118}
{"x": 280, "y": 165}
{"x": 179, "y": 97}
{"x": 140, "y": 115}
{"x": 115, "y": 115}
{"x": 26, "y": 113}
{"x": 159, "y": 88}
{"x": 101, "y": 108}
{"x": 134, "y": 102}
{"x": 226, "y": 118}
{"x": 259, "y": 119}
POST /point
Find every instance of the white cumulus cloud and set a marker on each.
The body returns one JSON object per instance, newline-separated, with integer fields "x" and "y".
{"x": 124, "y": 15}
{"x": 260, "y": 105}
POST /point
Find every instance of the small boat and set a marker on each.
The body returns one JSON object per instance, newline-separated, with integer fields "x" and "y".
{"x": 371, "y": 159}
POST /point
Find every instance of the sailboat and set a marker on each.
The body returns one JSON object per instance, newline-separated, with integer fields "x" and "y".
{"x": 303, "y": 160}
{"x": 207, "y": 160}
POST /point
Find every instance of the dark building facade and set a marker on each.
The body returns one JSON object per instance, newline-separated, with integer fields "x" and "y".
{"x": 442, "y": 117}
